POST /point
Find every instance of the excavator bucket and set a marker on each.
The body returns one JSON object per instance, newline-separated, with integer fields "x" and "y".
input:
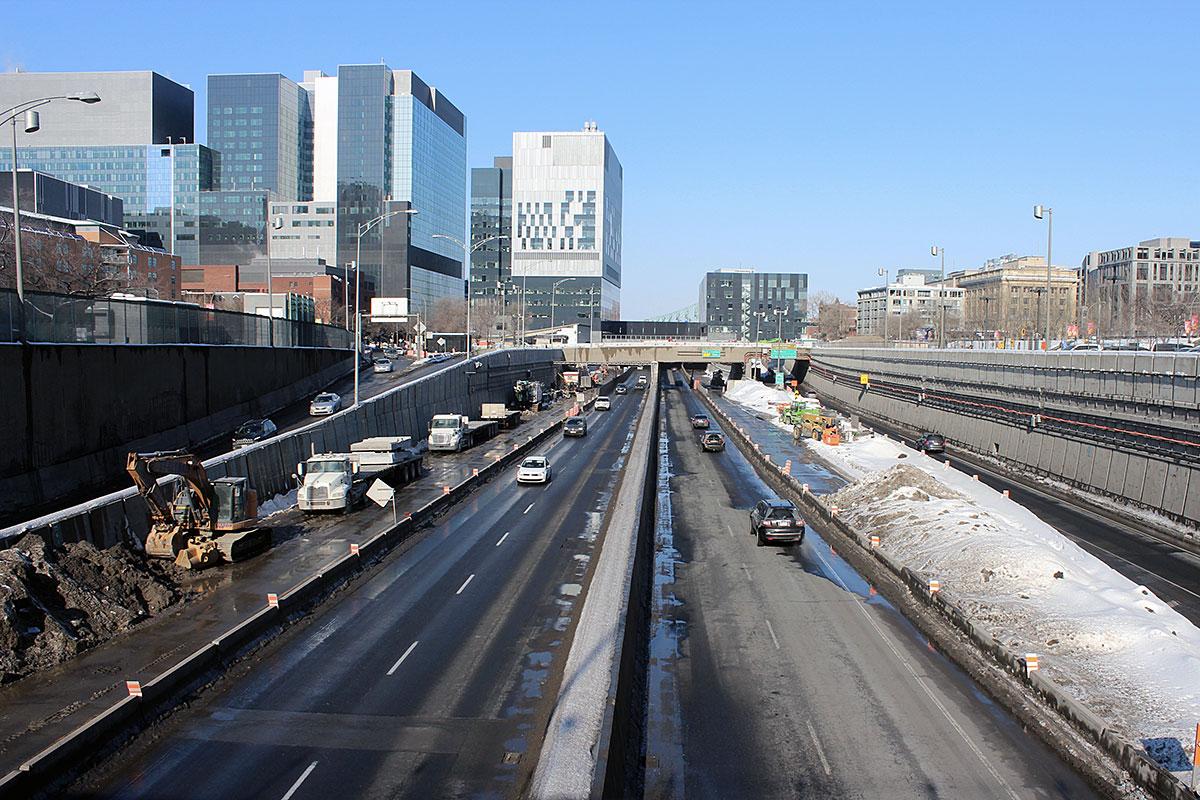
{"x": 198, "y": 555}
{"x": 165, "y": 542}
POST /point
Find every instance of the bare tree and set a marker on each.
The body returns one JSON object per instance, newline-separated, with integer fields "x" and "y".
{"x": 488, "y": 318}
{"x": 448, "y": 315}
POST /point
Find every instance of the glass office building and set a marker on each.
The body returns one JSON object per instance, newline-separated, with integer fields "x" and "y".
{"x": 263, "y": 126}
{"x": 159, "y": 184}
{"x": 491, "y": 217}
{"x": 748, "y": 305}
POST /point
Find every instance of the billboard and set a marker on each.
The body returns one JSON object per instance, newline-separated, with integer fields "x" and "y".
{"x": 389, "y": 309}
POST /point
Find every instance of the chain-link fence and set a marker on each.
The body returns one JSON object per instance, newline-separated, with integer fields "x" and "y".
{"x": 68, "y": 319}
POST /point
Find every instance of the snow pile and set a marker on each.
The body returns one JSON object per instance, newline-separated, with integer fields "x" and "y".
{"x": 1113, "y": 644}
{"x": 758, "y": 396}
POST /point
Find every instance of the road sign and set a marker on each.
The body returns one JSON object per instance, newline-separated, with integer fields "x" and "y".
{"x": 710, "y": 353}
{"x": 441, "y": 342}
{"x": 389, "y": 309}
{"x": 783, "y": 353}
{"x": 864, "y": 379}
{"x": 420, "y": 328}
{"x": 779, "y": 379}
{"x": 380, "y": 493}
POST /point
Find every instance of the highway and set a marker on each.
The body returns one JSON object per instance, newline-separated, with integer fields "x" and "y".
{"x": 778, "y": 672}
{"x": 432, "y": 676}
{"x": 1137, "y": 552}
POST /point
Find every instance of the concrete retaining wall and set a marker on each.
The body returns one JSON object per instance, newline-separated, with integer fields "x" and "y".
{"x": 1159, "y": 482}
{"x": 406, "y": 410}
{"x": 69, "y": 414}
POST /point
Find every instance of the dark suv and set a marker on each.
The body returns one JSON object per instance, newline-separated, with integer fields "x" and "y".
{"x": 776, "y": 521}
{"x": 931, "y": 443}
{"x": 712, "y": 442}
{"x": 575, "y": 426}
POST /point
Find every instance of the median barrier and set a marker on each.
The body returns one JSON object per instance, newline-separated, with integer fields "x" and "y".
{"x": 1067, "y": 708}
{"x": 67, "y": 752}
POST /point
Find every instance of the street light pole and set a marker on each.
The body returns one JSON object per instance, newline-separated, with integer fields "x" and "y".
{"x": 32, "y": 125}
{"x": 887, "y": 301}
{"x": 467, "y": 258}
{"x": 553, "y": 290}
{"x": 941, "y": 251}
{"x": 1048, "y": 213}
{"x": 271, "y": 224}
{"x": 364, "y": 227}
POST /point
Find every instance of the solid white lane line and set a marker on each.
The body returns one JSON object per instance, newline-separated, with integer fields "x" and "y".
{"x": 924, "y": 686}
{"x": 820, "y": 750}
{"x": 526, "y": 511}
{"x": 729, "y": 530}
{"x": 400, "y": 660}
{"x": 502, "y": 538}
{"x": 772, "y": 632}
{"x": 745, "y": 570}
{"x": 299, "y": 781}
{"x": 468, "y": 580}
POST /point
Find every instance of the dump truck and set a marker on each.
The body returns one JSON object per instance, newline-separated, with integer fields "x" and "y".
{"x": 207, "y": 522}
{"x": 339, "y": 481}
{"x": 507, "y": 417}
{"x": 458, "y": 432}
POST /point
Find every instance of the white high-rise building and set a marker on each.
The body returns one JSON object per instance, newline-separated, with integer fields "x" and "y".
{"x": 566, "y": 226}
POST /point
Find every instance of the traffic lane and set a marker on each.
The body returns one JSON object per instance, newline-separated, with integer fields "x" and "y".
{"x": 847, "y": 683}
{"x": 338, "y": 669}
{"x": 1168, "y": 570}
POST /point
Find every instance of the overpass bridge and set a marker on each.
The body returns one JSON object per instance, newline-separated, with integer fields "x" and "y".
{"x": 694, "y": 354}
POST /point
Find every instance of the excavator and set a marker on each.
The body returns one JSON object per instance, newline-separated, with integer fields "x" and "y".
{"x": 208, "y": 521}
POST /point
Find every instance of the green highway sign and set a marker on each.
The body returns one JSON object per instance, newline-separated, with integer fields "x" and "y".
{"x": 783, "y": 353}
{"x": 710, "y": 353}
{"x": 779, "y": 379}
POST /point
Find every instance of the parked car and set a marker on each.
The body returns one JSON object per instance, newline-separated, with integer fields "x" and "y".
{"x": 712, "y": 442}
{"x": 391, "y": 352}
{"x": 253, "y": 430}
{"x": 622, "y": 389}
{"x": 325, "y": 403}
{"x": 931, "y": 443}
{"x": 700, "y": 421}
{"x": 575, "y": 426}
{"x": 382, "y": 365}
{"x": 603, "y": 404}
{"x": 776, "y": 521}
{"x": 534, "y": 469}
{"x": 1171, "y": 347}
{"x": 1086, "y": 346}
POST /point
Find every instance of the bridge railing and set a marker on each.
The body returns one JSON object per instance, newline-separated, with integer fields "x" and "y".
{"x": 71, "y": 319}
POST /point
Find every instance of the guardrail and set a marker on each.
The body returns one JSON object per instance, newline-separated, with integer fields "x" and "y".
{"x": 70, "y": 319}
{"x": 867, "y": 559}
{"x": 69, "y": 755}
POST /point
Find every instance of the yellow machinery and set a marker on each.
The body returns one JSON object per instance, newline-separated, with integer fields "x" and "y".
{"x": 207, "y": 522}
{"x": 821, "y": 427}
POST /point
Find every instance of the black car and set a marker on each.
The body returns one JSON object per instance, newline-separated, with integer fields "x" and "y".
{"x": 700, "y": 420}
{"x": 712, "y": 442}
{"x": 931, "y": 443}
{"x": 251, "y": 431}
{"x": 575, "y": 426}
{"x": 776, "y": 521}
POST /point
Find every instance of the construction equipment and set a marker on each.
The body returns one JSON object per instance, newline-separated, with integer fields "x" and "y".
{"x": 527, "y": 395}
{"x": 207, "y": 522}
{"x": 821, "y": 427}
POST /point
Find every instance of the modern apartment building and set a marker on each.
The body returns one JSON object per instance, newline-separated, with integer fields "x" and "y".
{"x": 912, "y": 291}
{"x": 263, "y": 126}
{"x": 566, "y": 226}
{"x": 1006, "y": 298}
{"x": 745, "y": 304}
{"x": 134, "y": 108}
{"x": 383, "y": 141}
{"x": 491, "y": 219}
{"x": 1151, "y": 287}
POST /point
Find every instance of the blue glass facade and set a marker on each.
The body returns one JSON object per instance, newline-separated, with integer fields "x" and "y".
{"x": 263, "y": 126}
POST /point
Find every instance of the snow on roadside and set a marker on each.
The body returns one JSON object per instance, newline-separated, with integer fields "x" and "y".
{"x": 758, "y": 396}
{"x": 1113, "y": 644}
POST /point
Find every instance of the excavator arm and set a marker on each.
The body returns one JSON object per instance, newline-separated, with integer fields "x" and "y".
{"x": 146, "y": 468}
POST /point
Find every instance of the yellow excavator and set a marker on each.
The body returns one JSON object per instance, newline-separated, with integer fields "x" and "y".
{"x": 208, "y": 521}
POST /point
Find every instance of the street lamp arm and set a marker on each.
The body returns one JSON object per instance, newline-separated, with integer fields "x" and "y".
{"x": 13, "y": 112}
{"x": 363, "y": 227}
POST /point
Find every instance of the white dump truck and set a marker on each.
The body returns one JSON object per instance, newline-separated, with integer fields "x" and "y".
{"x": 458, "y": 432}
{"x": 338, "y": 481}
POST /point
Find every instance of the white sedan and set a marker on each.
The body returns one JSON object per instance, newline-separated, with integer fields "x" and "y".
{"x": 383, "y": 365}
{"x": 534, "y": 469}
{"x": 324, "y": 404}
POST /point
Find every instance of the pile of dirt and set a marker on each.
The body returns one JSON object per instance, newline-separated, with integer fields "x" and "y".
{"x": 58, "y": 602}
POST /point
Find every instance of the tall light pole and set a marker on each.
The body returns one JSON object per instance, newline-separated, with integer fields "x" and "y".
{"x": 779, "y": 313}
{"x": 553, "y": 289}
{"x": 32, "y": 125}
{"x": 935, "y": 250}
{"x": 272, "y": 224}
{"x": 887, "y": 301}
{"x": 363, "y": 227}
{"x": 1047, "y": 213}
{"x": 758, "y": 318}
{"x": 467, "y": 258}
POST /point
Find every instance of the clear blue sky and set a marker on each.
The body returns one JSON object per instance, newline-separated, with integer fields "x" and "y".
{"x": 829, "y": 138}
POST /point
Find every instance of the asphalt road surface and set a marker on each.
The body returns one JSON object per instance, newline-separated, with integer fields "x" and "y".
{"x": 777, "y": 672}
{"x": 432, "y": 677}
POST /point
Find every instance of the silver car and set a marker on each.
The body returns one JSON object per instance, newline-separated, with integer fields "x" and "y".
{"x": 324, "y": 404}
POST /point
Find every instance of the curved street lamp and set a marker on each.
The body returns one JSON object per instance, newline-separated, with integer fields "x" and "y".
{"x": 32, "y": 125}
{"x": 467, "y": 259}
{"x": 364, "y": 227}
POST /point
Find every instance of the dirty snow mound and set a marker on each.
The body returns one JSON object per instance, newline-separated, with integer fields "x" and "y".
{"x": 1118, "y": 648}
{"x": 758, "y": 396}
{"x": 56, "y": 603}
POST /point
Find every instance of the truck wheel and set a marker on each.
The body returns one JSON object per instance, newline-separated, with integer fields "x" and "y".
{"x": 761, "y": 541}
